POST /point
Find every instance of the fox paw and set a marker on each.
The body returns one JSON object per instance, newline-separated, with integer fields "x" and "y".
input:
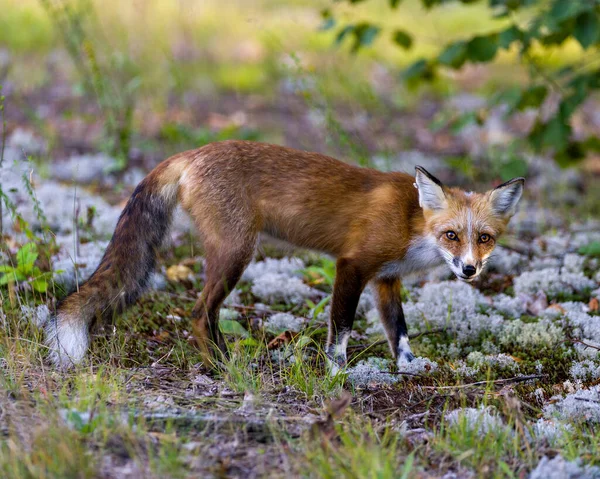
{"x": 335, "y": 364}
{"x": 405, "y": 357}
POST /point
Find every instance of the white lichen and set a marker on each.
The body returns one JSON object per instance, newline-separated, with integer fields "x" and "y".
{"x": 418, "y": 365}
{"x": 501, "y": 361}
{"x": 526, "y": 335}
{"x": 280, "y": 322}
{"x": 228, "y": 314}
{"x": 455, "y": 306}
{"x": 371, "y": 372}
{"x": 584, "y": 370}
{"x": 560, "y": 468}
{"x": 280, "y": 288}
{"x": 582, "y": 405}
{"x": 552, "y": 281}
{"x": 285, "y": 266}
{"x": 509, "y": 306}
{"x": 551, "y": 431}
{"x": 481, "y": 420}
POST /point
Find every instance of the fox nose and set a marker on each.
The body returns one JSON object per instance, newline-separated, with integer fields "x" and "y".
{"x": 469, "y": 270}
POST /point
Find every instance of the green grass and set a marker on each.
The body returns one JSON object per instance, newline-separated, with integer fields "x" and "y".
{"x": 357, "y": 449}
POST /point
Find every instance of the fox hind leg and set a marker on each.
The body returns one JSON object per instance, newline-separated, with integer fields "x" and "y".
{"x": 224, "y": 267}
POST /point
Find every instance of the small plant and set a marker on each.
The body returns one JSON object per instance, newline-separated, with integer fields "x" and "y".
{"x": 182, "y": 136}
{"x": 317, "y": 98}
{"x": 322, "y": 273}
{"x": 25, "y": 271}
{"x": 112, "y": 77}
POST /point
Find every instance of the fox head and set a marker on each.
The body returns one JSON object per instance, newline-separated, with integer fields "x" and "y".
{"x": 464, "y": 226}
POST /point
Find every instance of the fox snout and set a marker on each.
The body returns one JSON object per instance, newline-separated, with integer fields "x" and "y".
{"x": 466, "y": 271}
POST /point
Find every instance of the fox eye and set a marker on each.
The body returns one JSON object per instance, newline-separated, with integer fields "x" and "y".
{"x": 484, "y": 238}
{"x": 451, "y": 235}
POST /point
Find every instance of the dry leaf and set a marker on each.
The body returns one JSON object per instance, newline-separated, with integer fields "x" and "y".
{"x": 284, "y": 338}
{"x": 179, "y": 273}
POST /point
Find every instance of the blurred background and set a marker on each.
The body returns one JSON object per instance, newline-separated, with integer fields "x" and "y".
{"x": 97, "y": 93}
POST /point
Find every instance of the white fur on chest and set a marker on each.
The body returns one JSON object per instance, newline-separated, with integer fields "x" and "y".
{"x": 422, "y": 254}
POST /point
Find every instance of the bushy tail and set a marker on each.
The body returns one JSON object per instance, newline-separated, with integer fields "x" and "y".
{"x": 126, "y": 266}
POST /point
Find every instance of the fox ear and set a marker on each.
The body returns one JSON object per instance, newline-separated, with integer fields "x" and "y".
{"x": 505, "y": 197}
{"x": 431, "y": 192}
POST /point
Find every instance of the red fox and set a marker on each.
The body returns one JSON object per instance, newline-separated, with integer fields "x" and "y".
{"x": 379, "y": 226}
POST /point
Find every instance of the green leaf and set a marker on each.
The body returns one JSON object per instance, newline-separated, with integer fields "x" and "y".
{"x": 463, "y": 120}
{"x": 12, "y": 275}
{"x": 510, "y": 97}
{"x": 364, "y": 35}
{"x": 569, "y": 104}
{"x": 26, "y": 257}
{"x": 556, "y": 38}
{"x": 454, "y": 55}
{"x": 590, "y": 249}
{"x": 508, "y": 36}
{"x": 553, "y": 134}
{"x": 402, "y": 39}
{"x": 513, "y": 168}
{"x": 76, "y": 421}
{"x": 591, "y": 143}
{"x": 587, "y": 29}
{"x": 420, "y": 70}
{"x": 532, "y": 97}
{"x": 328, "y": 20}
{"x": 394, "y": 3}
{"x": 343, "y": 33}
{"x": 40, "y": 285}
{"x": 302, "y": 341}
{"x": 229, "y": 326}
{"x": 318, "y": 308}
{"x": 564, "y": 9}
{"x": 248, "y": 342}
{"x": 556, "y": 134}
{"x": 482, "y": 48}
{"x": 571, "y": 154}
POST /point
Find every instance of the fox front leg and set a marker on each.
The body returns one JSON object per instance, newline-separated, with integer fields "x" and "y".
{"x": 389, "y": 304}
{"x": 349, "y": 283}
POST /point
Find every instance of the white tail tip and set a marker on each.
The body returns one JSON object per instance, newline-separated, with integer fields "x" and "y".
{"x": 68, "y": 340}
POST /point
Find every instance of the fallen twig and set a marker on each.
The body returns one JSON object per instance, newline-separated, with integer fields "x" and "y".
{"x": 575, "y": 340}
{"x": 587, "y": 400}
{"x": 403, "y": 373}
{"x": 517, "y": 379}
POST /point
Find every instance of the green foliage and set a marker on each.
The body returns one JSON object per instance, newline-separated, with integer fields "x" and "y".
{"x": 25, "y": 270}
{"x": 110, "y": 76}
{"x": 591, "y": 249}
{"x": 360, "y": 450}
{"x": 233, "y": 328}
{"x": 182, "y": 136}
{"x": 321, "y": 273}
{"x": 551, "y": 24}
